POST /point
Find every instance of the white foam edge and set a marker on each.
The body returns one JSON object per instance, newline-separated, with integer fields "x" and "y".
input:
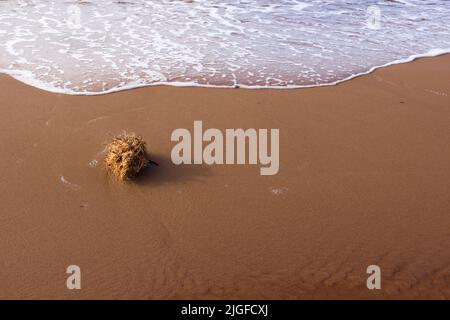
{"x": 26, "y": 77}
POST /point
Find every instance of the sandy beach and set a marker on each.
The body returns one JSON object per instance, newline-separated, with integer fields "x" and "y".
{"x": 364, "y": 179}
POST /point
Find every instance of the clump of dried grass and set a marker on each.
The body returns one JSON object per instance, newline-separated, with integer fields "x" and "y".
{"x": 126, "y": 155}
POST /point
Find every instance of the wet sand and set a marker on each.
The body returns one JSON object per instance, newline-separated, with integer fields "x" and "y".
{"x": 364, "y": 179}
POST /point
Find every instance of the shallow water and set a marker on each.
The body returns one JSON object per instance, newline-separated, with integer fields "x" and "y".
{"x": 90, "y": 47}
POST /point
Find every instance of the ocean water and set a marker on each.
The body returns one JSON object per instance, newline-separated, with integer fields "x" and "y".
{"x": 99, "y": 46}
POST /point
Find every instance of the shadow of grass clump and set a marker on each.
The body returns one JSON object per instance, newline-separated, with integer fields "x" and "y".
{"x": 167, "y": 172}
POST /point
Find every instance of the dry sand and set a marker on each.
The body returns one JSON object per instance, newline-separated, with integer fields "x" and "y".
{"x": 364, "y": 179}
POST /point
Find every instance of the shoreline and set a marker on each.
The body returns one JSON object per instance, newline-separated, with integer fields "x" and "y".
{"x": 45, "y": 87}
{"x": 363, "y": 179}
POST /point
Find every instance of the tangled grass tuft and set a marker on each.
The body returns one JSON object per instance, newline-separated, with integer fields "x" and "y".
{"x": 126, "y": 155}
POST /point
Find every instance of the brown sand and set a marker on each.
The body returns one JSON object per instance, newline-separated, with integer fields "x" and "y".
{"x": 365, "y": 175}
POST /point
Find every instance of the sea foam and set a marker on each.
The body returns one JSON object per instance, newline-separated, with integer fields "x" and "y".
{"x": 96, "y": 47}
